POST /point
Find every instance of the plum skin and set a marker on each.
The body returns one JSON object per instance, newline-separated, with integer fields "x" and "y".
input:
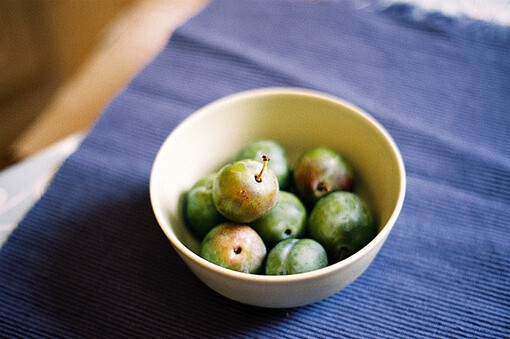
{"x": 200, "y": 212}
{"x": 319, "y": 171}
{"x": 287, "y": 219}
{"x": 279, "y": 160}
{"x": 234, "y": 246}
{"x": 239, "y": 196}
{"x": 343, "y": 223}
{"x": 293, "y": 256}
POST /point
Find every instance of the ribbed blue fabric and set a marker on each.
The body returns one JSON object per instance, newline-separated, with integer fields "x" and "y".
{"x": 89, "y": 260}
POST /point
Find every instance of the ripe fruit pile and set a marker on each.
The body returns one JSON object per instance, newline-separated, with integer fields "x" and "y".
{"x": 306, "y": 218}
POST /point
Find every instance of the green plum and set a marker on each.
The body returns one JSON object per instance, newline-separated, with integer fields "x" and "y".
{"x": 319, "y": 171}
{"x": 200, "y": 212}
{"x": 205, "y": 181}
{"x": 292, "y": 256}
{"x": 245, "y": 190}
{"x": 343, "y": 223}
{"x": 279, "y": 160}
{"x": 287, "y": 219}
{"x": 234, "y": 246}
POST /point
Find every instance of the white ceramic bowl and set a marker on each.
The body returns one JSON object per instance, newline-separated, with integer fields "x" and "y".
{"x": 298, "y": 119}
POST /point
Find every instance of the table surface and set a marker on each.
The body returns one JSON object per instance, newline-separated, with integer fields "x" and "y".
{"x": 88, "y": 259}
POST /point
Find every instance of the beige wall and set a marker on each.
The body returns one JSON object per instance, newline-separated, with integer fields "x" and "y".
{"x": 76, "y": 26}
{"x": 56, "y": 54}
{"x": 43, "y": 43}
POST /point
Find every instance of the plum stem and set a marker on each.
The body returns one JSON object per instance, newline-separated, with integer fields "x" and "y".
{"x": 265, "y": 160}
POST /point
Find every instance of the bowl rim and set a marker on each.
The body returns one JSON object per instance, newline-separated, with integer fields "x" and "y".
{"x": 269, "y": 91}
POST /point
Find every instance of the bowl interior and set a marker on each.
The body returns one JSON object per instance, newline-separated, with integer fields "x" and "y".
{"x": 299, "y": 120}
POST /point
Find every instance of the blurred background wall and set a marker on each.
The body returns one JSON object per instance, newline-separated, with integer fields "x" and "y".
{"x": 42, "y": 44}
{"x": 62, "y": 61}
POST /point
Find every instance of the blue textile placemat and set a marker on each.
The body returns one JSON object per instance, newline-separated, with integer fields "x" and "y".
{"x": 89, "y": 260}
